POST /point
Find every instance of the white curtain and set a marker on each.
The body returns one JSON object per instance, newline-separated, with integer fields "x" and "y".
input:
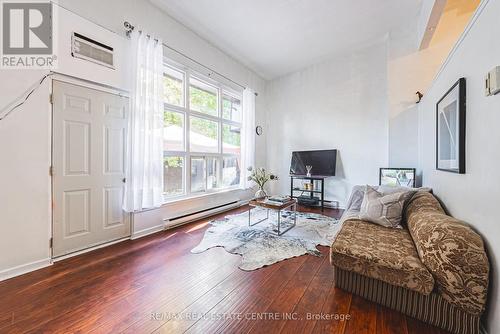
{"x": 144, "y": 161}
{"x": 247, "y": 137}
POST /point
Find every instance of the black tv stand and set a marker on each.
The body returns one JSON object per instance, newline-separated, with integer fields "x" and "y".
{"x": 312, "y": 198}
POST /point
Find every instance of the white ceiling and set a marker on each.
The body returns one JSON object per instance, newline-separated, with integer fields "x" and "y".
{"x": 275, "y": 37}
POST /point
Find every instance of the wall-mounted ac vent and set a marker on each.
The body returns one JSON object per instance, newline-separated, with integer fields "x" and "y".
{"x": 91, "y": 50}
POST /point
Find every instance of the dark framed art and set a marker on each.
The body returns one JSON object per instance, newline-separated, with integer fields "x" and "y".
{"x": 450, "y": 129}
{"x": 394, "y": 177}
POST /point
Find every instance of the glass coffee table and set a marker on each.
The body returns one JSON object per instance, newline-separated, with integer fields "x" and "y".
{"x": 291, "y": 205}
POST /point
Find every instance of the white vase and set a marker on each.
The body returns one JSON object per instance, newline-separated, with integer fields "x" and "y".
{"x": 260, "y": 194}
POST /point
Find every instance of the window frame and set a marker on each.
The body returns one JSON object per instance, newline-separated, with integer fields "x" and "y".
{"x": 186, "y": 112}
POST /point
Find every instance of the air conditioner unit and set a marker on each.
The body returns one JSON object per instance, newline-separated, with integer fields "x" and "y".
{"x": 86, "y": 48}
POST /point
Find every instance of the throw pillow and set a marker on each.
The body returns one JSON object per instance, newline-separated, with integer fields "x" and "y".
{"x": 385, "y": 189}
{"x": 385, "y": 210}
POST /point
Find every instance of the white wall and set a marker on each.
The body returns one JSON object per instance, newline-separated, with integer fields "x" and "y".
{"x": 24, "y": 175}
{"x": 403, "y": 139}
{"x": 25, "y": 135}
{"x": 473, "y": 197}
{"x": 25, "y": 146}
{"x": 410, "y": 70}
{"x": 339, "y": 104}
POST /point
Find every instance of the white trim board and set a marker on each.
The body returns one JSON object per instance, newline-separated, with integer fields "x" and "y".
{"x": 462, "y": 37}
{"x": 24, "y": 268}
{"x": 86, "y": 250}
{"x": 203, "y": 214}
{"x": 147, "y": 231}
{"x": 429, "y": 19}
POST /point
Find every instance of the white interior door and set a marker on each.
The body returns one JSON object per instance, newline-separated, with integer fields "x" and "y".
{"x": 89, "y": 133}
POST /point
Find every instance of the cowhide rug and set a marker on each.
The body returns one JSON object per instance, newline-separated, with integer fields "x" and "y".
{"x": 259, "y": 245}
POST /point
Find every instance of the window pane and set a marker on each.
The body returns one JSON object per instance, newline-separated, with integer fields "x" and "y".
{"x": 230, "y": 171}
{"x": 231, "y": 108}
{"x": 173, "y": 131}
{"x": 202, "y": 97}
{"x": 203, "y": 135}
{"x": 213, "y": 166}
{"x": 173, "y": 87}
{"x": 197, "y": 174}
{"x": 231, "y": 137}
{"x": 173, "y": 176}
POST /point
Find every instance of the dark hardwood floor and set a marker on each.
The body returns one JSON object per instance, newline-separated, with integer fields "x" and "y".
{"x": 155, "y": 284}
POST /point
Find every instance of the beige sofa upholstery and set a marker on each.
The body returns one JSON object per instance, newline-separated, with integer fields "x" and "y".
{"x": 434, "y": 269}
{"x": 387, "y": 254}
{"x": 452, "y": 252}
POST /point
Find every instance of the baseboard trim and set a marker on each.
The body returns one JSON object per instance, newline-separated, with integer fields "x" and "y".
{"x": 206, "y": 213}
{"x": 147, "y": 231}
{"x": 86, "y": 250}
{"x": 24, "y": 269}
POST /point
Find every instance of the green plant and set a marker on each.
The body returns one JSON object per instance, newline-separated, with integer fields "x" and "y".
{"x": 261, "y": 176}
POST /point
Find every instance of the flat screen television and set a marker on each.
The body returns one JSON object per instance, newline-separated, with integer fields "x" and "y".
{"x": 322, "y": 161}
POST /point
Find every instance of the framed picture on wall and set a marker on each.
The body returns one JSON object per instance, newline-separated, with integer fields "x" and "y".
{"x": 395, "y": 177}
{"x": 450, "y": 129}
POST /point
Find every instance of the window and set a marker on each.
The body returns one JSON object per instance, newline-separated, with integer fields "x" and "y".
{"x": 231, "y": 108}
{"x": 203, "y": 97}
{"x": 173, "y": 131}
{"x": 231, "y": 136}
{"x": 173, "y": 180}
{"x": 198, "y": 176}
{"x": 202, "y": 134}
{"x": 173, "y": 87}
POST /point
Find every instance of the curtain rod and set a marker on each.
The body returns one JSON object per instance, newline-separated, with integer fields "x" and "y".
{"x": 129, "y": 28}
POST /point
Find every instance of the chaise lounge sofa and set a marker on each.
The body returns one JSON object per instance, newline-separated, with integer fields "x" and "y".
{"x": 434, "y": 269}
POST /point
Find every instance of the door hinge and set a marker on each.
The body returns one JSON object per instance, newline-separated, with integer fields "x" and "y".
{"x": 51, "y": 98}
{"x": 51, "y": 170}
{"x": 51, "y": 242}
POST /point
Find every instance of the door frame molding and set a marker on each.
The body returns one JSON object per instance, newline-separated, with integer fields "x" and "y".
{"x": 88, "y": 84}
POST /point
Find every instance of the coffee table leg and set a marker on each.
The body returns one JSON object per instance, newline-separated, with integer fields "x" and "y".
{"x": 294, "y": 215}
{"x": 294, "y": 209}
{"x": 260, "y": 221}
{"x": 279, "y": 221}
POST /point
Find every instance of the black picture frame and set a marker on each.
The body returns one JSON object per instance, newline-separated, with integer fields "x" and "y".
{"x": 460, "y": 134}
{"x": 413, "y": 170}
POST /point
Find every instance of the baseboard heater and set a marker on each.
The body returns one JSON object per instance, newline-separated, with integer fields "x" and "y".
{"x": 183, "y": 219}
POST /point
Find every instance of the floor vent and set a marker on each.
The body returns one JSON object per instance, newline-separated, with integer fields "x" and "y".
{"x": 88, "y": 49}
